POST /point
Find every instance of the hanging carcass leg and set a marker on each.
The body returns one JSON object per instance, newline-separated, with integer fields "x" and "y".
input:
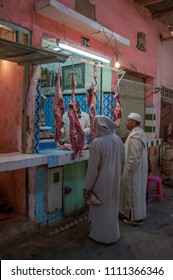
{"x": 58, "y": 108}
{"x": 117, "y": 110}
{"x": 92, "y": 114}
{"x": 91, "y": 102}
{"x": 77, "y": 136}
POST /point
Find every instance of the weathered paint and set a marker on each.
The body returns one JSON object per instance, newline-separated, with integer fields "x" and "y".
{"x": 73, "y": 184}
{"x": 31, "y": 192}
{"x": 13, "y": 189}
{"x": 11, "y": 92}
{"x": 42, "y": 217}
{"x": 30, "y": 109}
{"x": 124, "y": 18}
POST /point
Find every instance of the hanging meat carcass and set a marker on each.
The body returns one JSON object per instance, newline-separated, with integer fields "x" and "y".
{"x": 91, "y": 103}
{"x": 58, "y": 108}
{"x": 77, "y": 136}
{"x": 117, "y": 110}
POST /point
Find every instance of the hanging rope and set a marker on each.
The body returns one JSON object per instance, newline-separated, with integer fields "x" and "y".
{"x": 95, "y": 74}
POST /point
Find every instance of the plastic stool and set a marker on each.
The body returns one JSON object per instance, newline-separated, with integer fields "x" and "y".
{"x": 155, "y": 191}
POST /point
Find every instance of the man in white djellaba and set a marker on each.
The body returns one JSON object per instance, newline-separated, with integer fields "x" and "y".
{"x": 103, "y": 177}
{"x": 134, "y": 180}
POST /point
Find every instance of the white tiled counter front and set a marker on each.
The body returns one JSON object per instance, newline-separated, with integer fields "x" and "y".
{"x": 13, "y": 161}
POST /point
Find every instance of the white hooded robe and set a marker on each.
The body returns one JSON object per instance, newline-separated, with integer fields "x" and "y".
{"x": 103, "y": 176}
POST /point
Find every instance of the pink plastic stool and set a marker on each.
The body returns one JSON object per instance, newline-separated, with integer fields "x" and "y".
{"x": 157, "y": 191}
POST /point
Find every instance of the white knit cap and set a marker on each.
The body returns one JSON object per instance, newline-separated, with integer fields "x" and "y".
{"x": 135, "y": 116}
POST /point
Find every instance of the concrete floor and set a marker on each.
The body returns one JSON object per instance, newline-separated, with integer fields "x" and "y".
{"x": 151, "y": 241}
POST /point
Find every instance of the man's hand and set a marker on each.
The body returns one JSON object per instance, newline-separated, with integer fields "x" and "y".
{"x": 86, "y": 194}
{"x": 62, "y": 141}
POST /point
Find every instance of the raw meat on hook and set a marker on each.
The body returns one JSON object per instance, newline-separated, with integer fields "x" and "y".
{"x": 91, "y": 102}
{"x": 58, "y": 108}
{"x": 117, "y": 109}
{"x": 77, "y": 136}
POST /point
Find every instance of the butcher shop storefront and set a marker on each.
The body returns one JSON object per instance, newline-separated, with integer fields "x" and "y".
{"x": 46, "y": 168}
{"x": 50, "y": 172}
{"x": 67, "y": 161}
{"x": 115, "y": 93}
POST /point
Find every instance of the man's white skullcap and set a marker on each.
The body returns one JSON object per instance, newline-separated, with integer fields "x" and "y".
{"x": 135, "y": 116}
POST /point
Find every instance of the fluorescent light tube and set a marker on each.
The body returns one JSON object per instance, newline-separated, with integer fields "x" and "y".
{"x": 81, "y": 52}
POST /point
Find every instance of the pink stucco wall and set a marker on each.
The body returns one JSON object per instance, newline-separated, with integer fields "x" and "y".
{"x": 123, "y": 17}
{"x": 165, "y": 63}
{"x": 13, "y": 189}
{"x": 126, "y": 19}
{"x": 12, "y": 184}
{"x": 11, "y": 92}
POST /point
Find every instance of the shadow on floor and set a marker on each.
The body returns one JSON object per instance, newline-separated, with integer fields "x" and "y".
{"x": 151, "y": 241}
